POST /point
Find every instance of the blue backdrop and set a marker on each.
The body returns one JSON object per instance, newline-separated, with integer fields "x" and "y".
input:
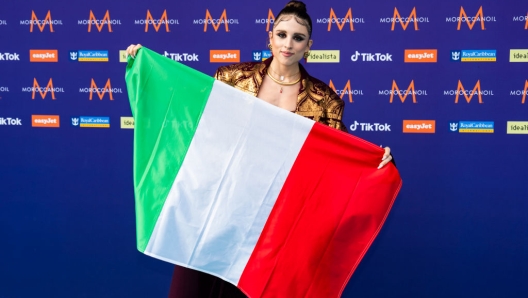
{"x": 458, "y": 228}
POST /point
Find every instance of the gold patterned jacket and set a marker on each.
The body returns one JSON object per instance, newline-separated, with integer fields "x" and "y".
{"x": 316, "y": 100}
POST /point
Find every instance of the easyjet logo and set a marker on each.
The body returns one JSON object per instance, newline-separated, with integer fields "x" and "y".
{"x": 468, "y": 94}
{"x": 471, "y": 21}
{"x": 402, "y": 94}
{"x": 270, "y": 20}
{"x": 224, "y": 55}
{"x": 43, "y": 56}
{"x": 41, "y": 24}
{"x": 100, "y": 92}
{"x": 420, "y": 56}
{"x": 157, "y": 23}
{"x": 99, "y": 23}
{"x": 404, "y": 22}
{"x": 419, "y": 126}
{"x": 521, "y": 92}
{"x": 345, "y": 91}
{"x": 340, "y": 22}
{"x": 45, "y": 121}
{"x": 216, "y": 23}
{"x": 43, "y": 91}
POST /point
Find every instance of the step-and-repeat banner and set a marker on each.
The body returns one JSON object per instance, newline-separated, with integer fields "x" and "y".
{"x": 443, "y": 84}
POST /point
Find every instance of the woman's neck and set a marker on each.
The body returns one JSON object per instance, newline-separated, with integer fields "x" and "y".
{"x": 289, "y": 72}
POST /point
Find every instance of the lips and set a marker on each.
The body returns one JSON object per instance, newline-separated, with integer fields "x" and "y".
{"x": 287, "y": 54}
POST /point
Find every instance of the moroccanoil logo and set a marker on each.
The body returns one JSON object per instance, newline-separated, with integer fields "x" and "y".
{"x": 471, "y": 21}
{"x": 340, "y": 22}
{"x": 521, "y": 92}
{"x": 269, "y": 21}
{"x": 216, "y": 23}
{"x": 157, "y": 23}
{"x": 345, "y": 91}
{"x": 522, "y": 18}
{"x": 404, "y": 22}
{"x": 41, "y": 24}
{"x": 43, "y": 91}
{"x": 99, "y": 23}
{"x": 468, "y": 94}
{"x": 402, "y": 94}
{"x": 107, "y": 89}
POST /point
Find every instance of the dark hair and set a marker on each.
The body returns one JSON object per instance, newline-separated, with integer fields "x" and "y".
{"x": 298, "y": 10}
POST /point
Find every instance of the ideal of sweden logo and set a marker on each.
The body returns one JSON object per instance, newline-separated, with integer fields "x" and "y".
{"x": 99, "y": 24}
{"x": 47, "y": 21}
{"x": 404, "y": 22}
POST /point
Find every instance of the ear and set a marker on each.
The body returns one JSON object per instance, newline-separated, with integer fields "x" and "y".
{"x": 270, "y": 34}
{"x": 310, "y": 42}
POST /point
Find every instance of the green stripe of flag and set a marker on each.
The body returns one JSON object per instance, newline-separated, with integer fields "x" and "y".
{"x": 167, "y": 100}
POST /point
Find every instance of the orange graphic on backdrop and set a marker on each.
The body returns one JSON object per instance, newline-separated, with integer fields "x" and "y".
{"x": 410, "y": 90}
{"x": 223, "y": 17}
{"x": 107, "y": 89}
{"x": 101, "y": 25}
{"x": 397, "y": 18}
{"x": 43, "y": 94}
{"x": 158, "y": 25}
{"x": 341, "y": 25}
{"x": 35, "y": 20}
{"x": 480, "y": 14}
{"x": 525, "y": 91}
{"x": 461, "y": 90}
{"x": 345, "y": 89}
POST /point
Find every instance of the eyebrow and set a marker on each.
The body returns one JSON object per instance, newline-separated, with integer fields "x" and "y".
{"x": 296, "y": 33}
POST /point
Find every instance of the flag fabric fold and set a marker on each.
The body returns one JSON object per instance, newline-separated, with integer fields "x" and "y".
{"x": 230, "y": 185}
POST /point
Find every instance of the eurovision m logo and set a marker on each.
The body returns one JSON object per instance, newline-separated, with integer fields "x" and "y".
{"x": 346, "y": 90}
{"x": 157, "y": 23}
{"x": 100, "y": 23}
{"x": 478, "y": 17}
{"x": 340, "y": 22}
{"x": 397, "y": 18}
{"x": 41, "y": 24}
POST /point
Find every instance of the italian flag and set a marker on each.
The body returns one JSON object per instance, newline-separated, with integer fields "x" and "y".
{"x": 225, "y": 183}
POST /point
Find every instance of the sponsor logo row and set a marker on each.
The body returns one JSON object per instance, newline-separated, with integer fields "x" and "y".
{"x": 316, "y": 56}
{"x": 346, "y": 19}
{"x": 408, "y": 126}
{"x": 53, "y": 121}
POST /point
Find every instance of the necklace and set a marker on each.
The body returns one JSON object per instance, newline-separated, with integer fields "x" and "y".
{"x": 281, "y": 82}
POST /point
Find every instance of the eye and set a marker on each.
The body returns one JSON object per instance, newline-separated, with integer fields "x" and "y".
{"x": 281, "y": 35}
{"x": 298, "y": 38}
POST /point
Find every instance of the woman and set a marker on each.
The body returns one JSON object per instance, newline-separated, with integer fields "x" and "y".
{"x": 283, "y": 82}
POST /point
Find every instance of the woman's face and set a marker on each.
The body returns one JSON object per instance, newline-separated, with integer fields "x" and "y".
{"x": 289, "y": 40}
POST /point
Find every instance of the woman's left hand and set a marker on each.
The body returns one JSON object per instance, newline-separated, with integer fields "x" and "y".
{"x": 387, "y": 157}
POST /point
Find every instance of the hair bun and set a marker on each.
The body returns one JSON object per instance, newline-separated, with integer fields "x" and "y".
{"x": 297, "y": 5}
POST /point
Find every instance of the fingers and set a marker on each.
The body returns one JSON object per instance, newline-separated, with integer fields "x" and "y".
{"x": 387, "y": 157}
{"x": 132, "y": 50}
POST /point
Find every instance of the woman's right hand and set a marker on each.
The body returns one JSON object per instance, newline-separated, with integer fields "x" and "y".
{"x": 132, "y": 49}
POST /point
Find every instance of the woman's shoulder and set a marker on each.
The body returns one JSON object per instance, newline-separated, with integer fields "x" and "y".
{"x": 323, "y": 88}
{"x": 227, "y": 72}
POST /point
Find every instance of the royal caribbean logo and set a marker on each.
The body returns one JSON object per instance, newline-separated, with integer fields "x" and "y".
{"x": 43, "y": 55}
{"x": 517, "y": 127}
{"x": 371, "y": 57}
{"x": 107, "y": 89}
{"x": 269, "y": 21}
{"x": 99, "y": 23}
{"x": 261, "y": 55}
{"x": 89, "y": 56}
{"x": 323, "y": 56}
{"x": 471, "y": 21}
{"x": 43, "y": 91}
{"x": 468, "y": 94}
{"x": 6, "y": 56}
{"x": 519, "y": 55}
{"x": 90, "y": 122}
{"x": 340, "y": 22}
{"x": 357, "y": 126}
{"x": 157, "y": 23}
{"x": 182, "y": 57}
{"x": 345, "y": 91}
{"x": 419, "y": 126}
{"x": 402, "y": 94}
{"x": 472, "y": 127}
{"x": 521, "y": 92}
{"x": 41, "y": 24}
{"x": 216, "y": 23}
{"x": 404, "y": 22}
{"x": 420, "y": 56}
{"x": 474, "y": 56}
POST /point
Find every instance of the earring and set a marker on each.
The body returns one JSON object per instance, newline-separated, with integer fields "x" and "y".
{"x": 306, "y": 55}
{"x": 269, "y": 46}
